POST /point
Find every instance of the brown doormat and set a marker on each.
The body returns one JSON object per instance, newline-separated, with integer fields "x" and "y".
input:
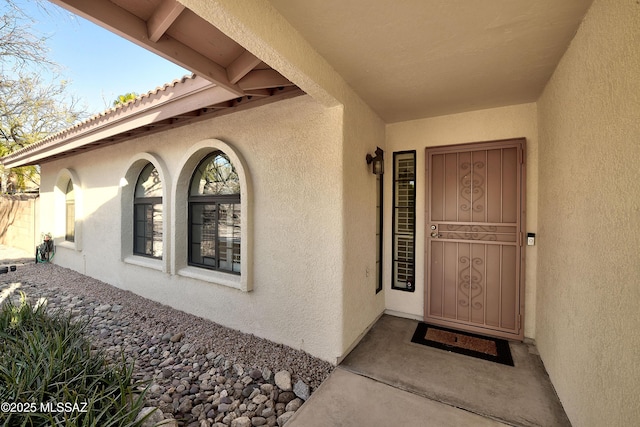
{"x": 487, "y": 348}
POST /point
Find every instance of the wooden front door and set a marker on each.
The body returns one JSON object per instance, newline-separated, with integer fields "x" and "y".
{"x": 474, "y": 237}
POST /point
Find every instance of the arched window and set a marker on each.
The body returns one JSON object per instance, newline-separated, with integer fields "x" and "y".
{"x": 147, "y": 213}
{"x": 214, "y": 215}
{"x": 70, "y": 213}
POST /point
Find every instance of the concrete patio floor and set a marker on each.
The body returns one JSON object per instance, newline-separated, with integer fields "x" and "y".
{"x": 389, "y": 381}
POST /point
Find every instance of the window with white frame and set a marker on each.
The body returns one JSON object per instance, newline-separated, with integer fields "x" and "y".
{"x": 214, "y": 215}
{"x": 147, "y": 213}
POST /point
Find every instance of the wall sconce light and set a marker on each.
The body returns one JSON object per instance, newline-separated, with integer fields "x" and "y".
{"x": 378, "y": 161}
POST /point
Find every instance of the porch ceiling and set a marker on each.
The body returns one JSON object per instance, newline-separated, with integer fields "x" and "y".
{"x": 421, "y": 58}
{"x": 407, "y": 59}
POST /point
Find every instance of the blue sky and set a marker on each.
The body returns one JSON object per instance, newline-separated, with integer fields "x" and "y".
{"x": 99, "y": 64}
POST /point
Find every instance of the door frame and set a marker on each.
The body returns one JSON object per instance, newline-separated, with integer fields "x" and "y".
{"x": 520, "y": 143}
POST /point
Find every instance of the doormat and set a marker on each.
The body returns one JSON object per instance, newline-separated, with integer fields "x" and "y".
{"x": 487, "y": 348}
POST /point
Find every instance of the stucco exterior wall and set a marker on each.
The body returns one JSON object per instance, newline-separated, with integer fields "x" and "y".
{"x": 258, "y": 27}
{"x": 292, "y": 151}
{"x": 363, "y": 132}
{"x": 588, "y": 327}
{"x": 483, "y": 125}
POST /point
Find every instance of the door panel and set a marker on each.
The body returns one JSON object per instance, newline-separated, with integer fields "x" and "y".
{"x": 474, "y": 237}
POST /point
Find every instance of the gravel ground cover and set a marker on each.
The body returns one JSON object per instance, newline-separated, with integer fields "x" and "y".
{"x": 200, "y": 373}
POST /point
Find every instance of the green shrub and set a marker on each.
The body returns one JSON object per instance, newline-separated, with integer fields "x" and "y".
{"x": 47, "y": 364}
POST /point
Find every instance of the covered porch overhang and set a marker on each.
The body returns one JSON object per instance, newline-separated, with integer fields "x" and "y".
{"x": 172, "y": 31}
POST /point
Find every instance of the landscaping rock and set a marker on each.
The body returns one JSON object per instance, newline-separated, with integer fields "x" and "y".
{"x": 201, "y": 373}
{"x": 176, "y": 337}
{"x": 294, "y": 405}
{"x": 154, "y": 416}
{"x": 283, "y": 380}
{"x": 241, "y": 422}
{"x": 301, "y": 390}
{"x": 286, "y": 397}
{"x": 282, "y": 419}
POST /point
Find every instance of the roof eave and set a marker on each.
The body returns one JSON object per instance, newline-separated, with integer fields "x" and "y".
{"x": 162, "y": 104}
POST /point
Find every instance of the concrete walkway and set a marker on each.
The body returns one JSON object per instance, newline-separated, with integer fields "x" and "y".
{"x": 347, "y": 399}
{"x": 389, "y": 381}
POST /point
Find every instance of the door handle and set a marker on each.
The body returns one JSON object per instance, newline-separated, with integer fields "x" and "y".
{"x": 435, "y": 235}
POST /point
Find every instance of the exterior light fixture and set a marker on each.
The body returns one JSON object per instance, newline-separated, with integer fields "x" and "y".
{"x": 378, "y": 161}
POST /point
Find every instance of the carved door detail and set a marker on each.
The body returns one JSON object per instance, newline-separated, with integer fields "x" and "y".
{"x": 474, "y": 254}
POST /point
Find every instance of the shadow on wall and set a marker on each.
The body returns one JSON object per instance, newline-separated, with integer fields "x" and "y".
{"x": 18, "y": 220}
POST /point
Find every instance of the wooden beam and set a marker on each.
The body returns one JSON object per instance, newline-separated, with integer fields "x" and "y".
{"x": 220, "y": 105}
{"x": 258, "y": 92}
{"x": 241, "y": 66}
{"x": 162, "y": 18}
{"x": 188, "y": 115}
{"x": 117, "y": 20}
{"x": 263, "y": 79}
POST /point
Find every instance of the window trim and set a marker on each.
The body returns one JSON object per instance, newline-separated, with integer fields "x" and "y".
{"x": 179, "y": 239}
{"x": 394, "y": 258}
{"x": 128, "y": 182}
{"x": 63, "y": 178}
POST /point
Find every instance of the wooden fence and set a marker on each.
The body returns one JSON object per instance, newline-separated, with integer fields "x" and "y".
{"x": 19, "y": 221}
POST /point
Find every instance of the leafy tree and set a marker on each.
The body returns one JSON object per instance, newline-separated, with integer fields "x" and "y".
{"x": 31, "y": 110}
{"x": 30, "y": 107}
{"x": 123, "y": 99}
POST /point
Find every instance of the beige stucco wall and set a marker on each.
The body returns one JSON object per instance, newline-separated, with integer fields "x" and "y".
{"x": 363, "y": 132}
{"x": 292, "y": 150}
{"x": 483, "y": 125}
{"x": 258, "y": 27}
{"x": 588, "y": 326}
